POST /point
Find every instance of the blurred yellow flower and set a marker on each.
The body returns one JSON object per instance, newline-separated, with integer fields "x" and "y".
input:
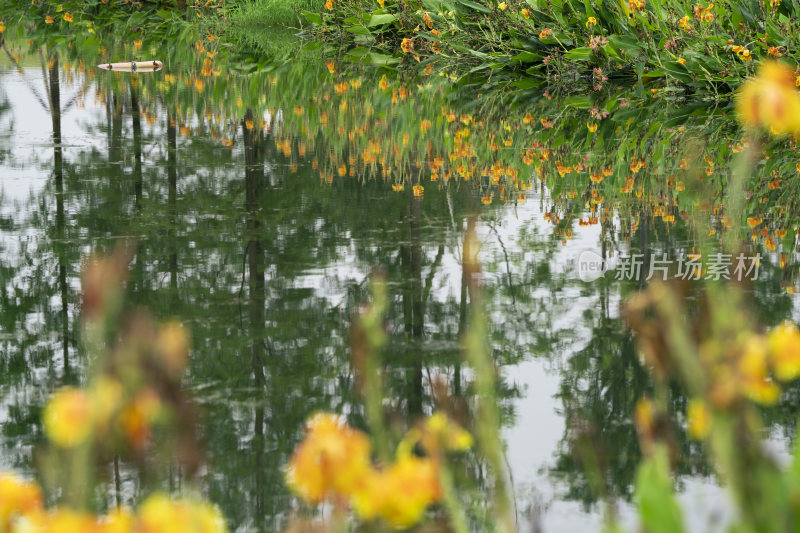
{"x": 17, "y": 497}
{"x": 407, "y": 45}
{"x": 58, "y": 520}
{"x": 591, "y": 127}
{"x": 770, "y": 100}
{"x": 119, "y": 520}
{"x": 160, "y": 514}
{"x": 401, "y": 493}
{"x": 502, "y": 6}
{"x": 67, "y": 417}
{"x": 784, "y": 348}
{"x": 48, "y": 19}
{"x": 755, "y": 381}
{"x": 333, "y": 458}
{"x": 68, "y": 17}
{"x": 591, "y": 21}
{"x": 172, "y": 343}
{"x": 439, "y": 432}
{"x": 2, "y": 26}
{"x": 699, "y": 419}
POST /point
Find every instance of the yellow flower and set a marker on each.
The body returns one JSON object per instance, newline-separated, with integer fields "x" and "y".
{"x": 397, "y": 187}
{"x": 67, "y": 417}
{"x": 745, "y": 55}
{"x": 66, "y": 520}
{"x": 784, "y": 348}
{"x": 681, "y": 60}
{"x": 591, "y": 21}
{"x": 120, "y": 520}
{"x": 771, "y": 100}
{"x": 699, "y": 419}
{"x": 418, "y": 191}
{"x": 502, "y": 6}
{"x": 137, "y": 44}
{"x": 17, "y": 497}
{"x": 756, "y": 384}
{"x": 407, "y": 45}
{"x": 333, "y": 458}
{"x": 440, "y": 432}
{"x": 400, "y": 494}
{"x": 159, "y": 514}
{"x": 331, "y": 66}
{"x": 383, "y": 84}
{"x": 48, "y": 19}
{"x": 2, "y": 26}
{"x": 329, "y": 5}
{"x": 684, "y": 23}
{"x": 525, "y": 13}
{"x": 68, "y": 17}
{"x": 591, "y": 127}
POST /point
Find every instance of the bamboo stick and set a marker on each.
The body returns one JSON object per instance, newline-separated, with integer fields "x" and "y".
{"x": 133, "y": 66}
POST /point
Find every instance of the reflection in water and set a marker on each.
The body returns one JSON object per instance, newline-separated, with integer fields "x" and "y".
{"x": 340, "y": 177}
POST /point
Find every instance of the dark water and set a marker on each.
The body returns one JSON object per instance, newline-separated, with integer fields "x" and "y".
{"x": 252, "y": 233}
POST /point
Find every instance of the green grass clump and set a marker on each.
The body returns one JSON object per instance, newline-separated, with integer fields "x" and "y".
{"x": 258, "y": 15}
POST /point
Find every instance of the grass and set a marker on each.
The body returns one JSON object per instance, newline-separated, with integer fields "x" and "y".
{"x": 264, "y": 15}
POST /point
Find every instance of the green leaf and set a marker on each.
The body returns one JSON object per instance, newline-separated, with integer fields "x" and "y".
{"x": 658, "y": 509}
{"x": 383, "y": 59}
{"x": 474, "y": 5}
{"x": 380, "y": 20}
{"x": 313, "y": 18}
{"x": 580, "y": 54}
{"x": 526, "y": 57}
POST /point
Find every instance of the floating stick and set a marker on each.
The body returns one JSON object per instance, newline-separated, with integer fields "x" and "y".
{"x": 133, "y": 66}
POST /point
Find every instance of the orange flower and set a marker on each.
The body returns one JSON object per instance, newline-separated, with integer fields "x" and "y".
{"x": 407, "y": 45}
{"x": 68, "y": 17}
{"x": 48, "y": 19}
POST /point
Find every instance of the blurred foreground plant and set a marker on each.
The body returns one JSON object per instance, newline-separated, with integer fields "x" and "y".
{"x": 131, "y": 407}
{"x": 334, "y": 462}
{"x": 727, "y": 368}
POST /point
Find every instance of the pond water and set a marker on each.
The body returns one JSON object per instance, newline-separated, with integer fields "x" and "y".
{"x": 263, "y": 203}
